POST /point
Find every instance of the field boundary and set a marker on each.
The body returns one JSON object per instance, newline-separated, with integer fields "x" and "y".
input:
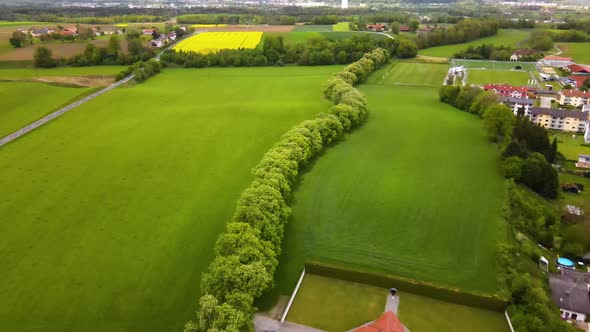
{"x": 448, "y": 294}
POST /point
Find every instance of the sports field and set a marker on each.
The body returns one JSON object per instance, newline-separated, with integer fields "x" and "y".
{"x": 511, "y": 37}
{"x": 580, "y": 52}
{"x": 110, "y": 213}
{"x": 19, "y": 107}
{"x": 475, "y": 76}
{"x": 411, "y": 73}
{"x": 494, "y": 65}
{"x": 414, "y": 192}
{"x": 211, "y": 42}
{"x": 336, "y": 305}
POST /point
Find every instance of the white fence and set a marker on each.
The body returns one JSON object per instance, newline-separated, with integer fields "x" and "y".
{"x": 284, "y": 316}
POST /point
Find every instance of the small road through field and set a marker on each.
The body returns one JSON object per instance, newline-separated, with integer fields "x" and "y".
{"x": 27, "y": 129}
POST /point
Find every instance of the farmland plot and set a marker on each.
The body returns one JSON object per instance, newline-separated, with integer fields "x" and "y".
{"x": 211, "y": 42}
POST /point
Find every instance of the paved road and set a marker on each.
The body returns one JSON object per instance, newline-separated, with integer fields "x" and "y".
{"x": 60, "y": 112}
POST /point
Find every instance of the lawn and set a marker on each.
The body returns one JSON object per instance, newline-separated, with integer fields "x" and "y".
{"x": 19, "y": 108}
{"x": 411, "y": 73}
{"x": 341, "y": 26}
{"x": 494, "y": 65}
{"x": 475, "y": 76}
{"x": 336, "y": 305}
{"x": 414, "y": 192}
{"x": 110, "y": 213}
{"x": 570, "y": 144}
{"x": 580, "y": 52}
{"x": 512, "y": 37}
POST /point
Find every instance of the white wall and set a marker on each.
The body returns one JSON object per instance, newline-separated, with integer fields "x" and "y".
{"x": 568, "y": 314}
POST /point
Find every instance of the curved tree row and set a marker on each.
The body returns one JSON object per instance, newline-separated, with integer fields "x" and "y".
{"x": 246, "y": 254}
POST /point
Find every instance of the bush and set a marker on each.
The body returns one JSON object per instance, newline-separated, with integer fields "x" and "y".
{"x": 246, "y": 255}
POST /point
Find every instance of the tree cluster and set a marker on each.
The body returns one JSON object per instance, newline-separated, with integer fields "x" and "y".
{"x": 526, "y": 152}
{"x": 20, "y": 39}
{"x": 465, "y": 30}
{"x": 246, "y": 254}
{"x": 274, "y": 51}
{"x": 570, "y": 36}
{"x": 494, "y": 52}
{"x": 141, "y": 70}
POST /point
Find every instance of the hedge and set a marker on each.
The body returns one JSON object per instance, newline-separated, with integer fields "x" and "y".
{"x": 453, "y": 295}
{"x": 246, "y": 254}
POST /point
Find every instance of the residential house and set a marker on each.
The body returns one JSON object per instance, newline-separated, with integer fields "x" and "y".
{"x": 376, "y": 27}
{"x": 425, "y": 30}
{"x": 559, "y": 119}
{"x": 42, "y": 31}
{"x": 110, "y": 30}
{"x": 507, "y": 90}
{"x": 159, "y": 42}
{"x": 556, "y": 61}
{"x": 574, "y": 97}
{"x": 519, "y": 106}
{"x": 586, "y": 108}
{"x": 522, "y": 52}
{"x": 577, "y": 80}
{"x": 148, "y": 31}
{"x": 69, "y": 32}
{"x": 570, "y": 291}
{"x": 577, "y": 69}
{"x": 404, "y": 28}
{"x": 587, "y": 133}
{"x": 583, "y": 161}
{"x": 171, "y": 36}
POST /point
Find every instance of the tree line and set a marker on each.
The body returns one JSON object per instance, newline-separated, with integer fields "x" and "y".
{"x": 496, "y": 52}
{"x": 246, "y": 254}
{"x": 141, "y": 70}
{"x": 526, "y": 151}
{"x": 274, "y": 51}
{"x": 465, "y": 30}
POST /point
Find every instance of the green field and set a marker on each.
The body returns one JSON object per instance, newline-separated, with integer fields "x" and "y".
{"x": 110, "y": 213}
{"x": 411, "y": 73}
{"x": 25, "y": 102}
{"x": 23, "y": 73}
{"x": 296, "y": 37}
{"x": 341, "y": 26}
{"x": 569, "y": 146}
{"x": 313, "y": 27}
{"x": 580, "y": 52}
{"x": 336, "y": 305}
{"x": 414, "y": 192}
{"x": 512, "y": 37}
{"x": 475, "y": 76}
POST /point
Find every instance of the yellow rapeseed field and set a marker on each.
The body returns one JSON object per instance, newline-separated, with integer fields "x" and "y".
{"x": 211, "y": 42}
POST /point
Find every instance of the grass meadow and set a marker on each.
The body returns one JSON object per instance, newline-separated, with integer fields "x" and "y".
{"x": 314, "y": 27}
{"x": 580, "y": 52}
{"x": 19, "y": 108}
{"x": 414, "y": 192}
{"x": 110, "y": 213}
{"x": 321, "y": 299}
{"x": 475, "y": 76}
{"x": 411, "y": 73}
{"x": 494, "y": 65}
{"x": 504, "y": 37}
{"x": 27, "y": 73}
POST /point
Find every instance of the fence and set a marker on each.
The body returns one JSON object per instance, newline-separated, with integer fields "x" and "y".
{"x": 284, "y": 316}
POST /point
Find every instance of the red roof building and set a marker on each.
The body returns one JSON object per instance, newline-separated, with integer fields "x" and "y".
{"x": 575, "y": 93}
{"x": 579, "y": 79}
{"x": 404, "y": 28}
{"x": 376, "y": 27}
{"x": 388, "y": 322}
{"x": 578, "y": 69}
{"x": 508, "y": 90}
{"x": 557, "y": 58}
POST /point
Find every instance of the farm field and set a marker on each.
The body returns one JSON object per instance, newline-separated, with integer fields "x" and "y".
{"x": 378, "y": 216}
{"x": 314, "y": 27}
{"x": 475, "y": 76}
{"x": 210, "y": 42}
{"x": 19, "y": 109}
{"x": 119, "y": 202}
{"x": 321, "y": 299}
{"x": 503, "y": 37}
{"x": 26, "y": 73}
{"x": 580, "y": 52}
{"x": 296, "y": 37}
{"x": 58, "y": 49}
{"x": 411, "y": 73}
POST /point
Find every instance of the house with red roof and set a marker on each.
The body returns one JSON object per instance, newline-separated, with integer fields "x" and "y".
{"x": 404, "y": 28}
{"x": 574, "y": 97}
{"x": 387, "y": 322}
{"x": 507, "y": 90}
{"x": 556, "y": 61}
{"x": 577, "y": 69}
{"x": 376, "y": 27}
{"x": 148, "y": 31}
{"x": 578, "y": 79}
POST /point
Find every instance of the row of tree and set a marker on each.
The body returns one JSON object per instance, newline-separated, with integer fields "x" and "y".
{"x": 525, "y": 146}
{"x": 493, "y": 52}
{"x": 246, "y": 254}
{"x": 315, "y": 51}
{"x": 141, "y": 70}
{"x": 463, "y": 31}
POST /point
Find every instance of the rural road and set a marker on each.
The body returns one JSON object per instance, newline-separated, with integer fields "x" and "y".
{"x": 60, "y": 112}
{"x": 44, "y": 120}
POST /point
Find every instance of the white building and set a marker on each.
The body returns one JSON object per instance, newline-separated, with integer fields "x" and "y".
{"x": 519, "y": 105}
{"x": 587, "y": 132}
{"x": 344, "y": 4}
{"x": 570, "y": 291}
{"x": 574, "y": 97}
{"x": 556, "y": 61}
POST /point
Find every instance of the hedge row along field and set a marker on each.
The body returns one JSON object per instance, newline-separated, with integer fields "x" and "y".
{"x": 246, "y": 255}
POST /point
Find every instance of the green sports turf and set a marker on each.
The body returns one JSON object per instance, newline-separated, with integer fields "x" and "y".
{"x": 336, "y": 305}
{"x": 494, "y": 65}
{"x": 25, "y": 102}
{"x": 498, "y": 76}
{"x": 20, "y": 73}
{"x": 415, "y": 192}
{"x": 110, "y": 213}
{"x": 580, "y": 52}
{"x": 411, "y": 73}
{"x": 508, "y": 37}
